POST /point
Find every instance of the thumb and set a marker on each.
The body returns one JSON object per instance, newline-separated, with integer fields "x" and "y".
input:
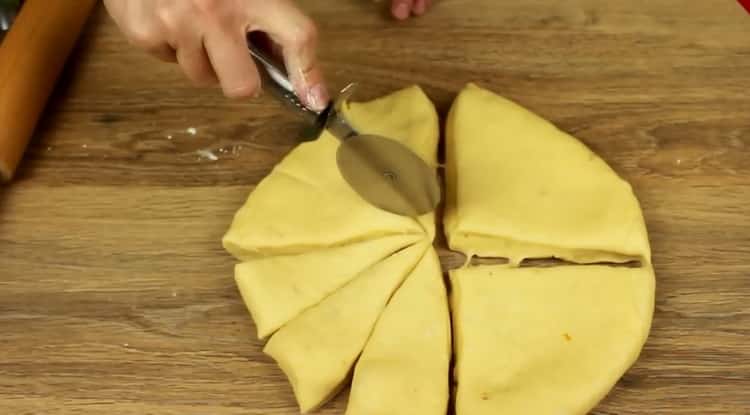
{"x": 298, "y": 37}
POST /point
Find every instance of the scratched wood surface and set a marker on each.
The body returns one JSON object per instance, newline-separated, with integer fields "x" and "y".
{"x": 115, "y": 294}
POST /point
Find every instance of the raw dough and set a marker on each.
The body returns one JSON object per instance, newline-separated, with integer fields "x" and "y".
{"x": 546, "y": 341}
{"x": 317, "y": 349}
{"x": 305, "y": 204}
{"x": 413, "y": 120}
{"x": 404, "y": 367}
{"x": 277, "y": 289}
{"x": 541, "y": 341}
{"x": 518, "y": 187}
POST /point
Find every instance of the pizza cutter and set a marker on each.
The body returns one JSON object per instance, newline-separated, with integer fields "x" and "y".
{"x": 381, "y": 170}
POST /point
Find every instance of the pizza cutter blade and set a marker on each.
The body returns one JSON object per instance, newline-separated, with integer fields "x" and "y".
{"x": 384, "y": 172}
{"x": 388, "y": 175}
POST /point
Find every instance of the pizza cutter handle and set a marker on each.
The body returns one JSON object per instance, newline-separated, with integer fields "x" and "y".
{"x": 276, "y": 81}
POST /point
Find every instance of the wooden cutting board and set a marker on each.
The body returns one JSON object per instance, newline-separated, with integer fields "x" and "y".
{"x": 116, "y": 296}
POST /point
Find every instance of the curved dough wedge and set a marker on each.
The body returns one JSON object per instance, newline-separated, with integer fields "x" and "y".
{"x": 277, "y": 289}
{"x": 305, "y": 204}
{"x": 404, "y": 366}
{"x": 317, "y": 349}
{"x": 520, "y": 188}
{"x": 546, "y": 341}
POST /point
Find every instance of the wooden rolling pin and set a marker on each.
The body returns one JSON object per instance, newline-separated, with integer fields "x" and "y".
{"x": 32, "y": 56}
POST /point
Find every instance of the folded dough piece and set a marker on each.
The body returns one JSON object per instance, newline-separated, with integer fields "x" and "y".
{"x": 404, "y": 366}
{"x": 305, "y": 203}
{"x": 317, "y": 349}
{"x": 277, "y": 289}
{"x": 546, "y": 341}
{"x": 520, "y": 188}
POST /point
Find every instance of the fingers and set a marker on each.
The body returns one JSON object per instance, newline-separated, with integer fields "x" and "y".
{"x": 235, "y": 69}
{"x": 196, "y": 64}
{"x": 208, "y": 39}
{"x": 187, "y": 41}
{"x": 141, "y": 27}
{"x": 401, "y": 9}
{"x": 298, "y": 37}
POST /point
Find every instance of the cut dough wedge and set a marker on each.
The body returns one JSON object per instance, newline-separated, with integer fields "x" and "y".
{"x": 546, "y": 341}
{"x": 520, "y": 188}
{"x": 404, "y": 367}
{"x": 287, "y": 215}
{"x": 410, "y": 118}
{"x": 317, "y": 349}
{"x": 417, "y": 127}
{"x": 277, "y": 289}
{"x": 305, "y": 204}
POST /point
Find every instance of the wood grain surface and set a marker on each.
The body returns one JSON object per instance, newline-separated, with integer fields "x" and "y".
{"x": 116, "y": 296}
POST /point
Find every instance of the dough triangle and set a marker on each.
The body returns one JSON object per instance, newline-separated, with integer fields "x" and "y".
{"x": 317, "y": 349}
{"x": 277, "y": 289}
{"x": 520, "y": 188}
{"x": 546, "y": 341}
{"x": 305, "y": 203}
{"x": 285, "y": 215}
{"x": 416, "y": 126}
{"x": 404, "y": 366}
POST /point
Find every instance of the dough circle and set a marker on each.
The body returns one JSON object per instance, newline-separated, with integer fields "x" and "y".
{"x": 344, "y": 290}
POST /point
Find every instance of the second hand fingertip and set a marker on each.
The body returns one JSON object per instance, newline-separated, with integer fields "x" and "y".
{"x": 401, "y": 11}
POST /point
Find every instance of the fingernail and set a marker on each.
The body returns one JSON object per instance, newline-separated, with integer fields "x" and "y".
{"x": 317, "y": 97}
{"x": 401, "y": 11}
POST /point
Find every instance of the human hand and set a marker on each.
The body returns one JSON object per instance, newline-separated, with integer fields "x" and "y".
{"x": 402, "y": 9}
{"x": 207, "y": 38}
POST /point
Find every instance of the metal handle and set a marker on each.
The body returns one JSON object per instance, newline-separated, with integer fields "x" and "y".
{"x": 276, "y": 81}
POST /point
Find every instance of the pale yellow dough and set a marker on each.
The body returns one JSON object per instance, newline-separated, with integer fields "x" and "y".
{"x": 407, "y": 115}
{"x": 317, "y": 349}
{"x": 305, "y": 204}
{"x": 319, "y": 261}
{"x": 404, "y": 367}
{"x": 321, "y": 272}
{"x": 518, "y": 187}
{"x": 546, "y": 341}
{"x": 277, "y": 289}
